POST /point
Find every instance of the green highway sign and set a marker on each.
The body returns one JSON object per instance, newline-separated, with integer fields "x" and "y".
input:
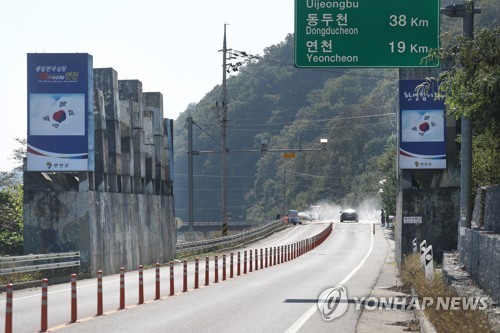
{"x": 365, "y": 33}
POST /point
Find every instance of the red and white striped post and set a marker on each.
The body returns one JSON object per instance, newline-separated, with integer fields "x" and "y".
{"x": 196, "y": 273}
{"x": 99, "y": 293}
{"x": 122, "y": 288}
{"x": 185, "y": 276}
{"x": 172, "y": 291}
{"x": 73, "y": 298}
{"x": 157, "y": 281}
{"x": 239, "y": 264}
{"x": 289, "y": 252}
{"x": 278, "y": 255}
{"x": 141, "y": 284}
{"x": 8, "y": 308}
{"x": 44, "y": 318}
{"x": 223, "y": 267}
{"x": 270, "y": 256}
{"x": 256, "y": 259}
{"x": 250, "y": 261}
{"x": 231, "y": 264}
{"x": 216, "y": 269}
{"x": 244, "y": 262}
{"x": 266, "y": 256}
{"x": 207, "y": 268}
{"x": 274, "y": 256}
{"x": 261, "y": 259}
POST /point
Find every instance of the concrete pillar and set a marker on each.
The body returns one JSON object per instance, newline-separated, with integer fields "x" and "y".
{"x": 100, "y": 142}
{"x": 106, "y": 79}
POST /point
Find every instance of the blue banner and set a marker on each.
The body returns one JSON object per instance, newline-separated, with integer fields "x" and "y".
{"x": 422, "y": 127}
{"x": 60, "y": 112}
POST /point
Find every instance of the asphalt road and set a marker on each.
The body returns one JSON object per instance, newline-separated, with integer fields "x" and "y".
{"x": 281, "y": 298}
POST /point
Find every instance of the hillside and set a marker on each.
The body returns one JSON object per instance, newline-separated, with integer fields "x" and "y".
{"x": 292, "y": 108}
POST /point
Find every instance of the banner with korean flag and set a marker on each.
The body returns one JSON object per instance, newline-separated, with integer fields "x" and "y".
{"x": 60, "y": 112}
{"x": 422, "y": 127}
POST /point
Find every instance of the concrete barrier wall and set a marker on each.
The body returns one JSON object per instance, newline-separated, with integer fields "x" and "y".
{"x": 110, "y": 230}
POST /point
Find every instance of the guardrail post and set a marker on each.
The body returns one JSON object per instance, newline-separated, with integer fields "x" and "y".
{"x": 8, "y": 308}
{"x": 141, "y": 284}
{"x": 157, "y": 281}
{"x": 73, "y": 299}
{"x": 44, "y": 321}
{"x": 172, "y": 291}
{"x": 216, "y": 269}
{"x": 99, "y": 293}
{"x": 223, "y": 267}
{"x": 207, "y": 267}
{"x": 196, "y": 273}
{"x": 185, "y": 276}
{"x": 122, "y": 288}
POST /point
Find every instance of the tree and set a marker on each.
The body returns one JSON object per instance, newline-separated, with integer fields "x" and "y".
{"x": 471, "y": 88}
{"x": 11, "y": 220}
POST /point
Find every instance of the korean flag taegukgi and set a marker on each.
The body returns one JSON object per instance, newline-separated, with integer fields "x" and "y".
{"x": 422, "y": 128}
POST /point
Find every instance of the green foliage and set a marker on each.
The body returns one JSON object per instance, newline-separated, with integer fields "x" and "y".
{"x": 11, "y": 220}
{"x": 471, "y": 88}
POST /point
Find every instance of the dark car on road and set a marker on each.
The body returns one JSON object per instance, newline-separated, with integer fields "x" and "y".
{"x": 349, "y": 215}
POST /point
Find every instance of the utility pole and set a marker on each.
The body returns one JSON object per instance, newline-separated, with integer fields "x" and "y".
{"x": 223, "y": 121}
{"x": 189, "y": 124}
{"x": 466, "y": 11}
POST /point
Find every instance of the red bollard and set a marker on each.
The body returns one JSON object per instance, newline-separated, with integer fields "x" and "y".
{"x": 8, "y": 308}
{"x": 44, "y": 321}
{"x": 99, "y": 293}
{"x": 278, "y": 255}
{"x": 216, "y": 269}
{"x": 122, "y": 288}
{"x": 244, "y": 262}
{"x": 250, "y": 261}
{"x": 185, "y": 276}
{"x": 157, "y": 281}
{"x": 239, "y": 264}
{"x": 223, "y": 267}
{"x": 207, "y": 268}
{"x": 256, "y": 260}
{"x": 231, "y": 264}
{"x": 270, "y": 256}
{"x": 171, "y": 264}
{"x": 196, "y": 273}
{"x": 141, "y": 284}
{"x": 73, "y": 298}
{"x": 289, "y": 252}
{"x": 261, "y": 260}
{"x": 266, "y": 256}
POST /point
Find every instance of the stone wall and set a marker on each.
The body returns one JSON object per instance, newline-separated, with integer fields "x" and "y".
{"x": 122, "y": 213}
{"x": 481, "y": 246}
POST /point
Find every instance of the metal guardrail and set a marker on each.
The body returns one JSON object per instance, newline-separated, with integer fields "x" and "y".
{"x": 225, "y": 241}
{"x": 37, "y": 262}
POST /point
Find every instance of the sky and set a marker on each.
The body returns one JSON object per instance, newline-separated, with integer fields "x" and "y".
{"x": 171, "y": 46}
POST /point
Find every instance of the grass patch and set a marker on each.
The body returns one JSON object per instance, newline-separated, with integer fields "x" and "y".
{"x": 458, "y": 321}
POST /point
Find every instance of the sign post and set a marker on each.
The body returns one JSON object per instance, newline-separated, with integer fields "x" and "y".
{"x": 365, "y": 33}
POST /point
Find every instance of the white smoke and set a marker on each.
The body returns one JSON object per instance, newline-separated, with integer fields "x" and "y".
{"x": 368, "y": 211}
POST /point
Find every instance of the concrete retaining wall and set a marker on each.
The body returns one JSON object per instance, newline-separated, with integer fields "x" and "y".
{"x": 110, "y": 230}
